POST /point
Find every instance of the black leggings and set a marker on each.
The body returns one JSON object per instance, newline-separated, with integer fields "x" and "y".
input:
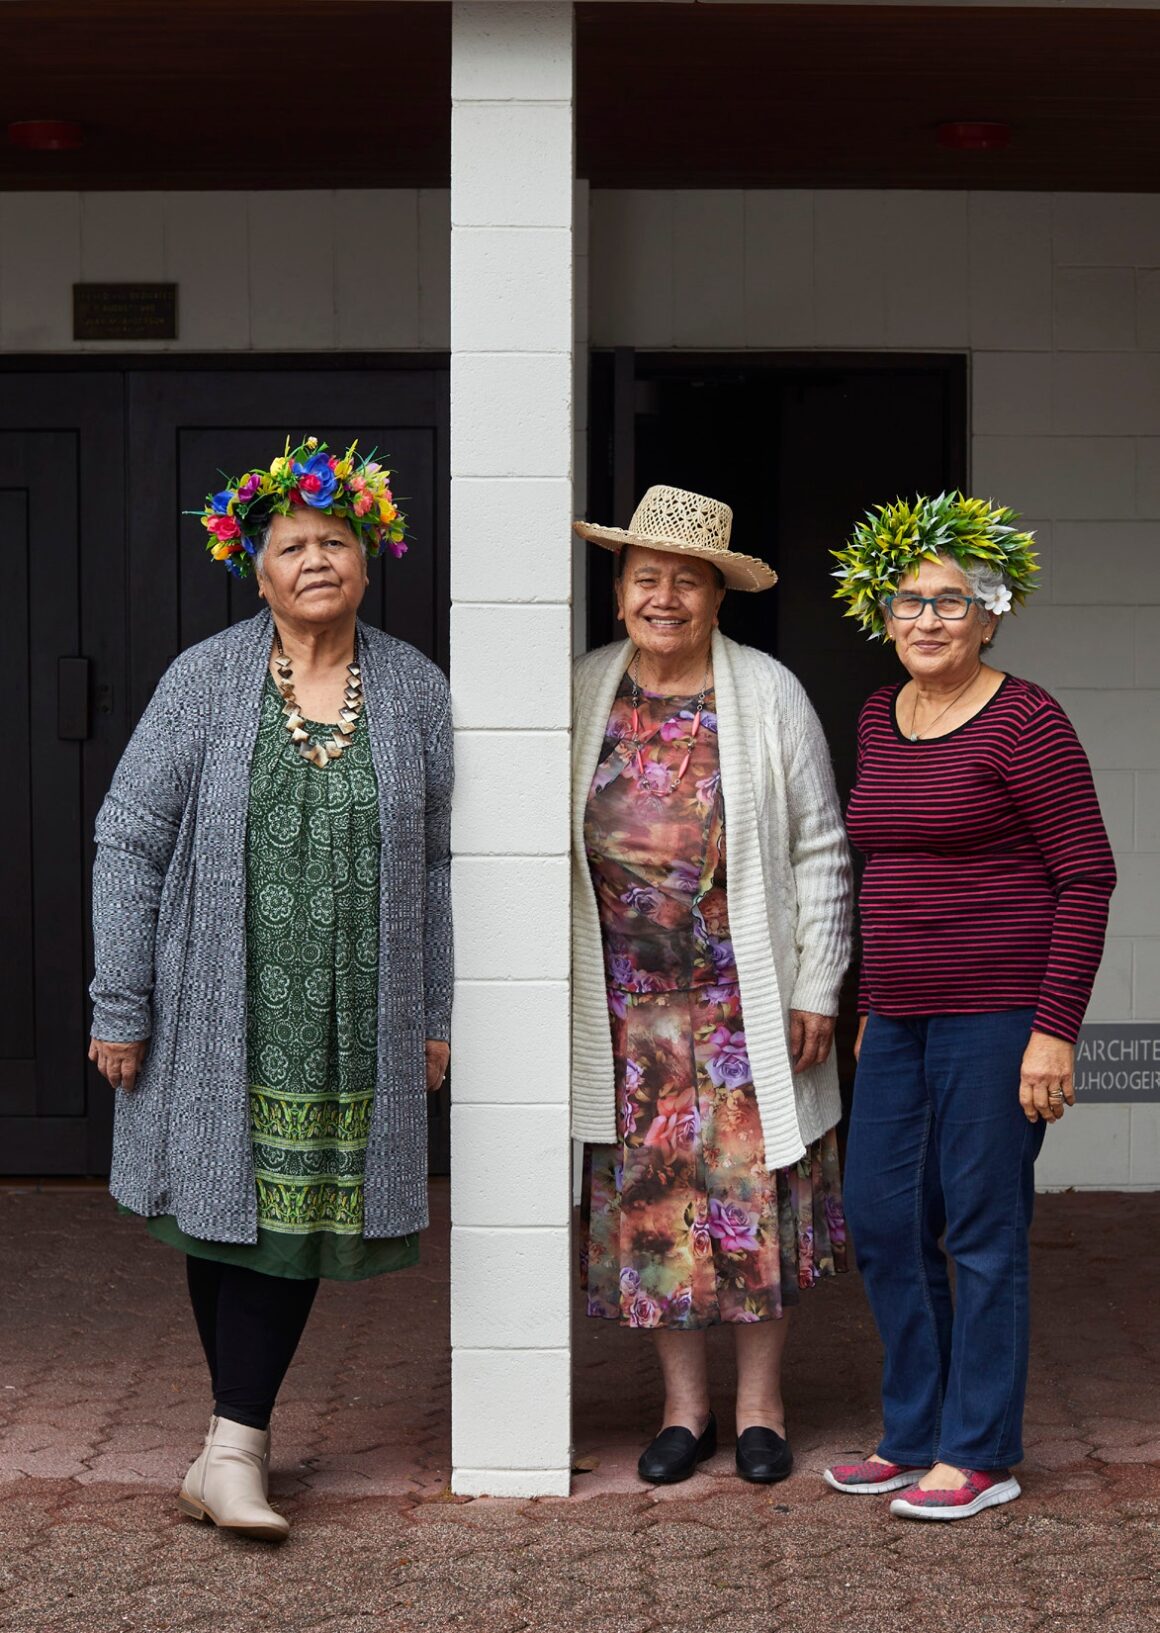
{"x": 249, "y": 1325}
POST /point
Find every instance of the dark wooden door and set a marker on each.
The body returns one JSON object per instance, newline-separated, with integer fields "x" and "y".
{"x": 61, "y": 678}
{"x": 114, "y": 578}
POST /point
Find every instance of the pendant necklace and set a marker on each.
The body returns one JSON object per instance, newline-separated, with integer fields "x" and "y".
{"x": 637, "y": 745}
{"x": 320, "y": 750}
{"x": 914, "y": 737}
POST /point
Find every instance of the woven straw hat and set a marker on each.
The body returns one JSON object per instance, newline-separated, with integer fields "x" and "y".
{"x": 689, "y": 525}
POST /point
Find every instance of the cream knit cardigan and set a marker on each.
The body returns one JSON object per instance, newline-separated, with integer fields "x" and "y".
{"x": 789, "y": 888}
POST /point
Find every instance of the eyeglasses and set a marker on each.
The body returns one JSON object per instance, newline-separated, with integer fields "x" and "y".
{"x": 948, "y": 606}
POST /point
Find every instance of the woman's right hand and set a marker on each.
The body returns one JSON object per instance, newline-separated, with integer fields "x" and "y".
{"x": 118, "y": 1063}
{"x": 862, "y": 1019}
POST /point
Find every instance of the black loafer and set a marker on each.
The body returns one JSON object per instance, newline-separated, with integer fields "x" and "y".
{"x": 763, "y": 1456}
{"x": 675, "y": 1453}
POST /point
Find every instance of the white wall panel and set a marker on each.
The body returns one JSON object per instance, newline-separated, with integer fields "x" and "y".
{"x": 509, "y": 671}
{"x": 40, "y": 260}
{"x": 353, "y": 269}
{"x": 490, "y": 1017}
{"x": 1104, "y": 394}
{"x": 513, "y": 337}
{"x": 1106, "y": 229}
{"x": 1147, "y": 836}
{"x": 292, "y": 270}
{"x": 507, "y": 1405}
{"x": 1146, "y": 981}
{"x": 505, "y": 784}
{"x": 517, "y": 407}
{"x": 926, "y": 285}
{"x": 631, "y": 269}
{"x": 213, "y": 284}
{"x": 852, "y": 252}
{"x": 511, "y": 918}
{"x": 495, "y": 311}
{"x": 1108, "y": 563}
{"x": 708, "y": 250}
{"x": 1009, "y": 270}
{"x": 1088, "y": 1149}
{"x": 434, "y": 270}
{"x": 1011, "y": 393}
{"x": 1112, "y": 993}
{"x": 1095, "y": 308}
{"x": 510, "y": 1294}
{"x": 1117, "y": 796}
{"x": 506, "y": 161}
{"x": 504, "y": 529}
{"x": 1119, "y": 730}
{"x": 1067, "y": 646}
{"x": 1080, "y": 477}
{"x": 123, "y": 237}
{"x": 376, "y": 257}
{"x": 779, "y": 269}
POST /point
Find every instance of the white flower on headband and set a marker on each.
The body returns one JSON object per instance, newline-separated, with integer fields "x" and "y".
{"x": 999, "y": 601}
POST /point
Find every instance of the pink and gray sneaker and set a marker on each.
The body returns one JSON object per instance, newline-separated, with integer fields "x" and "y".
{"x": 984, "y": 1488}
{"x": 867, "y": 1479}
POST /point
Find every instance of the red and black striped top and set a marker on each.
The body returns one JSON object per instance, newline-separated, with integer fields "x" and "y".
{"x": 988, "y": 868}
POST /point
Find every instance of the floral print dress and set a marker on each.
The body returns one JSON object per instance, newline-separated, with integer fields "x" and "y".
{"x": 683, "y": 1224}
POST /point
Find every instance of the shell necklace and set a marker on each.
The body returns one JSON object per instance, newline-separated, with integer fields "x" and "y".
{"x": 638, "y": 746}
{"x": 318, "y": 750}
{"x": 962, "y": 691}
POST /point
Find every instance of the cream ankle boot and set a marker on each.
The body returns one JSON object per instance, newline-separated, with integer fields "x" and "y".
{"x": 228, "y": 1482}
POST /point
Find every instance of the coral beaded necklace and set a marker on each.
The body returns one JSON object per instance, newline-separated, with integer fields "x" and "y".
{"x": 638, "y": 746}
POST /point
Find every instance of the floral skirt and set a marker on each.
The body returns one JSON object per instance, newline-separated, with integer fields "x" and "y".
{"x": 683, "y": 1224}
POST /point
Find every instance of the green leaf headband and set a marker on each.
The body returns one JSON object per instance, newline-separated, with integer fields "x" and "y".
{"x": 352, "y": 487}
{"x": 894, "y": 540}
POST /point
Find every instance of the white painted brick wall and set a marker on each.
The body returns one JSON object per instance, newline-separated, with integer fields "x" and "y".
{"x": 371, "y": 274}
{"x": 1056, "y": 299}
{"x": 513, "y": 333}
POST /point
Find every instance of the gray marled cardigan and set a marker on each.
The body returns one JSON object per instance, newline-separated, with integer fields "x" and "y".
{"x": 169, "y": 921}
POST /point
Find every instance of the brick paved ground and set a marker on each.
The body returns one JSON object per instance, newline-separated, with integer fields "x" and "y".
{"x": 102, "y": 1404}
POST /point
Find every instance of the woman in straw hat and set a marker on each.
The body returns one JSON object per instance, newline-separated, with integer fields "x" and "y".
{"x": 705, "y": 991}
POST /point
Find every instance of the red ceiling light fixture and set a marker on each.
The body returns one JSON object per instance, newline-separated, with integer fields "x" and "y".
{"x": 46, "y": 135}
{"x": 974, "y": 135}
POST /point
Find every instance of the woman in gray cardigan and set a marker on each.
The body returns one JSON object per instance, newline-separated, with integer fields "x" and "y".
{"x": 272, "y": 933}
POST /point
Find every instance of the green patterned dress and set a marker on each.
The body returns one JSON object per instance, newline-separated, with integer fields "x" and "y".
{"x": 312, "y": 954}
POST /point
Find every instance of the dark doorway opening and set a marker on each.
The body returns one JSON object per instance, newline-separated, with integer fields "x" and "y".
{"x": 108, "y": 580}
{"x": 799, "y": 446}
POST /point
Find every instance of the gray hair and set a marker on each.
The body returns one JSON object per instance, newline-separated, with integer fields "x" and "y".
{"x": 261, "y": 539}
{"x": 983, "y": 579}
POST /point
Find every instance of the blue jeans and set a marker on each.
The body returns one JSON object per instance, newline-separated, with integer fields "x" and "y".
{"x": 939, "y": 1144}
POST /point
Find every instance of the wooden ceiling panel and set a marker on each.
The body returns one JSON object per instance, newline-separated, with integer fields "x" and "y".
{"x": 851, "y": 96}
{"x": 293, "y": 93}
{"x": 229, "y": 93}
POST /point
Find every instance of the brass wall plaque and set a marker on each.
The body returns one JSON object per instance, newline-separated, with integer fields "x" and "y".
{"x": 124, "y": 311}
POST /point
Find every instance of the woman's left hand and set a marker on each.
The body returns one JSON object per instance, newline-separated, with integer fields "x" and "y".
{"x": 1045, "y": 1078}
{"x": 810, "y": 1038}
{"x": 438, "y": 1054}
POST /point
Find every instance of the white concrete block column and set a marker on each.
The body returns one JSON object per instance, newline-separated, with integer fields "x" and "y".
{"x": 512, "y": 413}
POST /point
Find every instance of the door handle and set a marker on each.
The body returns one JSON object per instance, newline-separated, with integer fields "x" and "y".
{"x": 72, "y": 698}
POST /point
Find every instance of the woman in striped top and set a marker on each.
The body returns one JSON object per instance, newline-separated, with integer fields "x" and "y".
{"x": 983, "y": 909}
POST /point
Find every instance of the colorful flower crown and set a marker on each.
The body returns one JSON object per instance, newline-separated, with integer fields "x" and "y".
{"x": 351, "y": 487}
{"x": 894, "y": 540}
